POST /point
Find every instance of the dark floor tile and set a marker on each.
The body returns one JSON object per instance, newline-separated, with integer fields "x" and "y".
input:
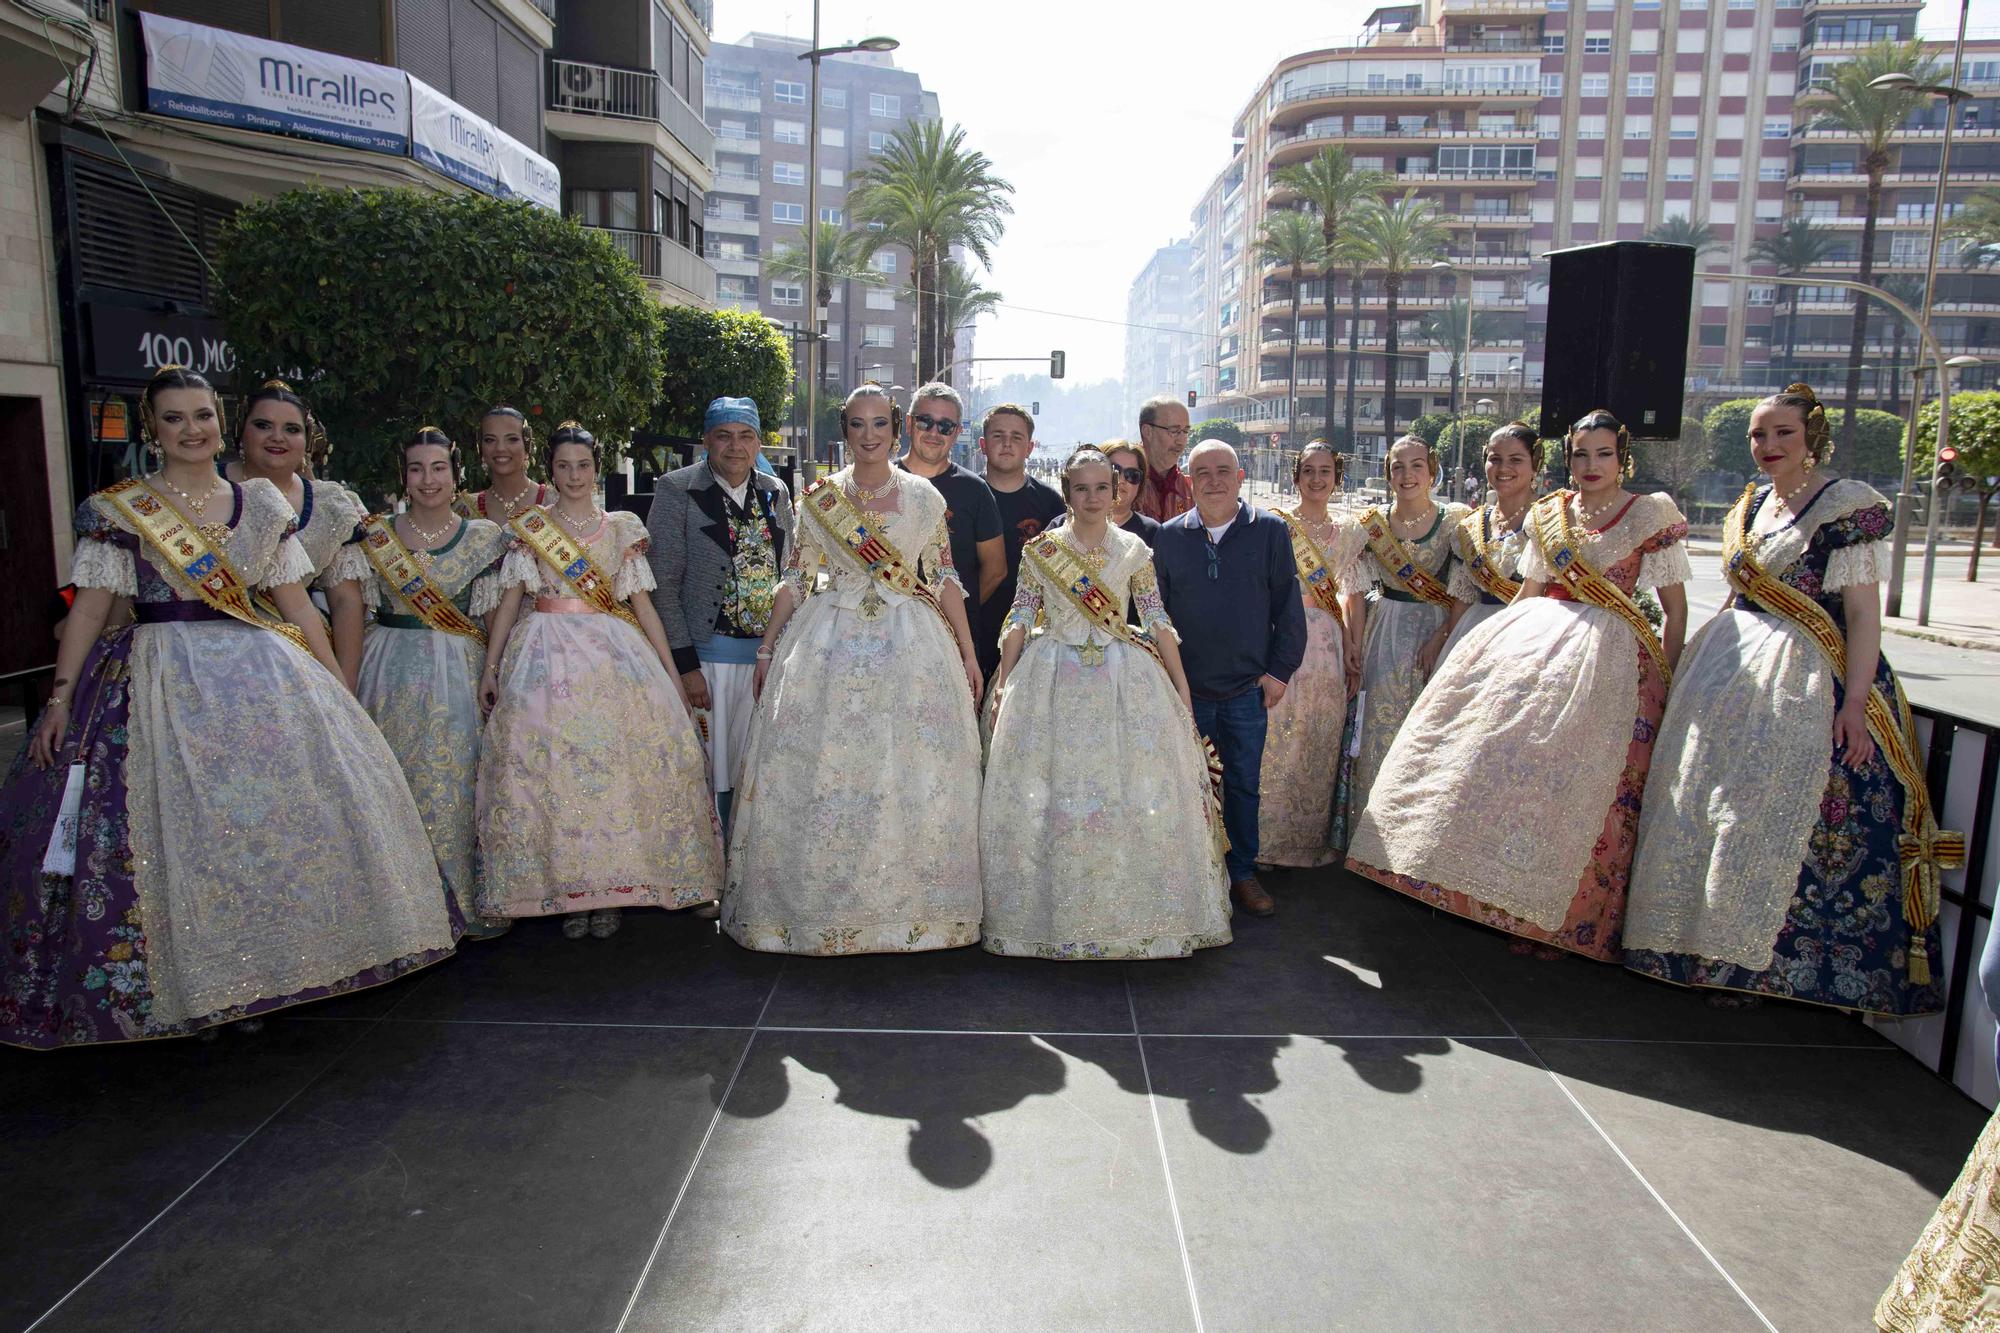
{"x": 966, "y": 990}
{"x": 1808, "y": 1173}
{"x": 1578, "y": 997}
{"x": 440, "y": 1176}
{"x": 669, "y": 968}
{"x": 94, "y": 1142}
{"x": 1341, "y": 956}
{"x": 888, "y": 1182}
{"x": 1388, "y": 1185}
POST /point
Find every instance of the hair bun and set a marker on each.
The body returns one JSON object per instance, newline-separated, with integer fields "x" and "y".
{"x": 171, "y": 368}
{"x": 275, "y": 383}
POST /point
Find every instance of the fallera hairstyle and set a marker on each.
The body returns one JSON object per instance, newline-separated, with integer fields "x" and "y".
{"x": 1321, "y": 446}
{"x": 1524, "y": 434}
{"x": 874, "y": 390}
{"x": 502, "y": 410}
{"x": 1149, "y": 411}
{"x": 572, "y": 432}
{"x": 1084, "y": 455}
{"x": 1007, "y": 410}
{"x": 277, "y": 391}
{"x": 1430, "y": 452}
{"x": 1600, "y": 418}
{"x": 174, "y": 377}
{"x": 431, "y": 435}
{"x": 1801, "y": 399}
{"x": 938, "y": 389}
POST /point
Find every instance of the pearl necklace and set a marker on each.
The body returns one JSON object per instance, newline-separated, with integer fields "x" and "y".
{"x": 1505, "y": 522}
{"x": 865, "y": 493}
{"x": 1590, "y": 517}
{"x": 195, "y": 506}
{"x": 578, "y": 526}
{"x": 1429, "y": 516}
{"x": 1785, "y": 498}
{"x": 507, "y": 507}
{"x": 431, "y": 538}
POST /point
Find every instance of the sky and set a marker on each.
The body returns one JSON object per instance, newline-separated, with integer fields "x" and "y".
{"x": 1109, "y": 118}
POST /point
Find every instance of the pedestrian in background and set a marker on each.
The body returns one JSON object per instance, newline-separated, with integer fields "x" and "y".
{"x": 1163, "y": 430}
{"x": 971, "y": 517}
{"x": 1026, "y": 507}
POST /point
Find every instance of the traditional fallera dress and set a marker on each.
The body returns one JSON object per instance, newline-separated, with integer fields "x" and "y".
{"x": 328, "y": 513}
{"x": 419, "y": 679}
{"x": 856, "y": 827}
{"x": 1486, "y": 572}
{"x": 593, "y": 790}
{"x": 1098, "y": 837}
{"x": 1511, "y": 795}
{"x": 1765, "y": 863}
{"x": 1950, "y": 1283}
{"x": 1302, "y": 747}
{"x": 216, "y": 757}
{"x": 1413, "y": 599}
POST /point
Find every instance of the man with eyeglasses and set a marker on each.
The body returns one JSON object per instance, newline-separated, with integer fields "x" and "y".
{"x": 1163, "y": 429}
{"x": 1007, "y": 438}
{"x": 971, "y": 517}
{"x": 1230, "y": 584}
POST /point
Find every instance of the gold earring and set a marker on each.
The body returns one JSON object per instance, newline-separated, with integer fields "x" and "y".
{"x": 1810, "y": 463}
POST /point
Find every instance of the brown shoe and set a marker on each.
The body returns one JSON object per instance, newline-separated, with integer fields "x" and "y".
{"x": 1250, "y": 896}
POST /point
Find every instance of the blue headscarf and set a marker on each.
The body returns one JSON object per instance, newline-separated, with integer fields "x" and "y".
{"x": 732, "y": 412}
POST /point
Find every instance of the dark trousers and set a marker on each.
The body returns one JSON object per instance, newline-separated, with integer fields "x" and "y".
{"x": 1236, "y": 726}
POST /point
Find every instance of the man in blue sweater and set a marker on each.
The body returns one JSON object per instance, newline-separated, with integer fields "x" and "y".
{"x": 1228, "y": 580}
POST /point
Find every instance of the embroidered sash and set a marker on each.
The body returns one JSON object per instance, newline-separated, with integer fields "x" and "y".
{"x": 1401, "y": 565}
{"x": 1924, "y": 848}
{"x": 1314, "y": 574}
{"x": 850, "y": 529}
{"x": 1484, "y": 563}
{"x": 182, "y": 546}
{"x": 401, "y": 570}
{"x": 571, "y": 561}
{"x": 1561, "y": 542}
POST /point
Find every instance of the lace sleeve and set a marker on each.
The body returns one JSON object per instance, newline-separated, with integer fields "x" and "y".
{"x": 1349, "y": 544}
{"x": 937, "y": 555}
{"x": 801, "y": 569}
{"x": 1027, "y": 607}
{"x": 1146, "y": 601}
{"x": 289, "y": 564}
{"x": 106, "y": 555}
{"x": 1857, "y": 565}
{"x": 486, "y": 593}
{"x": 1459, "y": 583}
{"x": 348, "y": 563}
{"x": 1534, "y": 561}
{"x": 1663, "y": 560}
{"x": 520, "y": 569}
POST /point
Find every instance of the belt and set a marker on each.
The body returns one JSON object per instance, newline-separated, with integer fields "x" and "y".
{"x": 167, "y": 613}
{"x": 395, "y": 620}
{"x": 567, "y": 606}
{"x": 1488, "y": 599}
{"x": 1398, "y": 595}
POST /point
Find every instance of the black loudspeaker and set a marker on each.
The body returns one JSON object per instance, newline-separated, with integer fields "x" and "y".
{"x": 1617, "y": 335}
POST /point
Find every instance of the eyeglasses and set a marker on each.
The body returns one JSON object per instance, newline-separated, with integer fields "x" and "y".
{"x": 1214, "y": 560}
{"x": 1134, "y": 475}
{"x": 942, "y": 425}
{"x": 1176, "y": 432}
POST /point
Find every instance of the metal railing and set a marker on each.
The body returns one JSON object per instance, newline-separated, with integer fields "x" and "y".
{"x": 1312, "y": 91}
{"x": 587, "y": 89}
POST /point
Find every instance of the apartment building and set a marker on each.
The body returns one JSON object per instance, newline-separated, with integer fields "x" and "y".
{"x": 1159, "y": 314}
{"x": 756, "y": 104}
{"x": 1541, "y": 124}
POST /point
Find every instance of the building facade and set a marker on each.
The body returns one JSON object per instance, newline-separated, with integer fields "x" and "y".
{"x": 1536, "y": 125}
{"x": 1159, "y": 314}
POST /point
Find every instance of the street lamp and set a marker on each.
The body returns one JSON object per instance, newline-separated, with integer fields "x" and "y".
{"x": 1900, "y": 546}
{"x": 1931, "y": 512}
{"x": 1515, "y": 363}
{"x": 1460, "y": 354}
{"x": 814, "y": 331}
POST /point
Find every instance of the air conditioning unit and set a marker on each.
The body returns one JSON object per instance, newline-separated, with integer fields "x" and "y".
{"x": 583, "y": 86}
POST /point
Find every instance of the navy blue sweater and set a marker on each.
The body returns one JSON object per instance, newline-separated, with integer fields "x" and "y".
{"x": 1245, "y": 623}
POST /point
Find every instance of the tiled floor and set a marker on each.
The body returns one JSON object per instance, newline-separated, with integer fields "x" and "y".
{"x": 1358, "y": 1116}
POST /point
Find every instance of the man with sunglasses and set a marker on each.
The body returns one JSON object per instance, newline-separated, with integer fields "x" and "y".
{"x": 1163, "y": 430}
{"x": 971, "y": 517}
{"x": 1231, "y": 586}
{"x": 1007, "y": 438}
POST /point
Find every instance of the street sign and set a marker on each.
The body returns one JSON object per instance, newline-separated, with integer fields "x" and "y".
{"x": 1275, "y": 437}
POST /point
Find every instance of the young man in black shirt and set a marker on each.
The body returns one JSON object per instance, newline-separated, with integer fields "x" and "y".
{"x": 971, "y": 518}
{"x": 1007, "y": 438}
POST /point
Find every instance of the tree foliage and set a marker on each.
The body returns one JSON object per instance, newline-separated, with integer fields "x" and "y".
{"x": 399, "y": 308}
{"x": 1218, "y": 428}
{"x": 1975, "y": 433}
{"x": 1429, "y": 426}
{"x": 1695, "y": 233}
{"x": 1877, "y": 450}
{"x": 712, "y": 353}
{"x": 1472, "y": 431}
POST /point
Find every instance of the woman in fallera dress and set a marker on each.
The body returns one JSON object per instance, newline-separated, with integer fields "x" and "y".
{"x": 1771, "y": 856}
{"x": 593, "y": 790}
{"x": 1302, "y": 750}
{"x": 1491, "y": 539}
{"x": 432, "y": 578}
{"x": 1407, "y": 554}
{"x": 506, "y": 444}
{"x": 1511, "y": 794}
{"x": 1097, "y": 835}
{"x": 209, "y": 747}
{"x": 853, "y": 830}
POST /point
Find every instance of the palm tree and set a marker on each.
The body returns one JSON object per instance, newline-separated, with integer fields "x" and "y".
{"x": 1797, "y": 246}
{"x": 1396, "y": 237}
{"x": 1350, "y": 253}
{"x": 961, "y": 301}
{"x": 1978, "y": 226}
{"x": 930, "y": 192}
{"x": 1291, "y": 240}
{"x": 1695, "y": 233}
{"x": 1331, "y": 187}
{"x": 1909, "y": 289}
{"x": 1457, "y": 326}
{"x": 840, "y": 260}
{"x": 1844, "y": 101}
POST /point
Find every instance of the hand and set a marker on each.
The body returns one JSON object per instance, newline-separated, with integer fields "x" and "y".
{"x": 489, "y": 689}
{"x": 757, "y": 680}
{"x": 696, "y": 686}
{"x": 976, "y": 679}
{"x": 1850, "y": 736}
{"x": 1427, "y": 656}
{"x": 999, "y": 681}
{"x": 352, "y": 678}
{"x": 1274, "y": 690}
{"x": 49, "y": 735}
{"x": 1186, "y": 701}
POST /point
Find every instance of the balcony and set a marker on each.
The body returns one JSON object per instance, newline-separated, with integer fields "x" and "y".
{"x": 1330, "y": 92}
{"x": 1470, "y": 9}
{"x": 736, "y": 182}
{"x": 607, "y": 103}
{"x": 36, "y": 55}
{"x": 726, "y": 224}
{"x": 748, "y": 145}
{"x": 671, "y": 270}
{"x": 721, "y": 97}
{"x": 737, "y": 266}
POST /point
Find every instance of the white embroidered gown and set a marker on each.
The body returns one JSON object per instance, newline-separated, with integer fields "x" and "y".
{"x": 1507, "y": 553}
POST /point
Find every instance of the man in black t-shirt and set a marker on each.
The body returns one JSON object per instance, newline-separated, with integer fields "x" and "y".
{"x": 1027, "y": 506}
{"x": 970, "y": 515}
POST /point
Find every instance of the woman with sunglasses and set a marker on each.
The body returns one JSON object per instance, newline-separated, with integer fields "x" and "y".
{"x": 850, "y": 831}
{"x": 1511, "y": 795}
{"x": 1302, "y": 749}
{"x": 1128, "y": 481}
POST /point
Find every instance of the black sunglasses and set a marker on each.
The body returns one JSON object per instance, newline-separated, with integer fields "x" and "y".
{"x": 1133, "y": 475}
{"x": 942, "y": 425}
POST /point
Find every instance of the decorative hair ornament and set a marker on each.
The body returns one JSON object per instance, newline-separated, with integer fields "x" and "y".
{"x": 1601, "y": 418}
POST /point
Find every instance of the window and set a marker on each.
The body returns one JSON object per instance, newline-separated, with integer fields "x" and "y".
{"x": 832, "y": 138}
{"x": 1770, "y": 210}
{"x": 1548, "y": 127}
{"x": 878, "y": 142}
{"x": 887, "y": 105}
{"x": 1596, "y": 85}
{"x": 788, "y": 212}
{"x": 606, "y": 208}
{"x": 788, "y": 131}
{"x": 1763, "y": 295}
{"x": 1739, "y": 41}
{"x": 1772, "y": 169}
{"x": 832, "y": 216}
{"x": 1597, "y": 46}
{"x": 1684, "y": 127}
{"x": 788, "y": 173}
{"x": 834, "y": 99}
{"x": 1638, "y": 85}
{"x": 1631, "y": 210}
{"x": 1728, "y": 127}
{"x": 1680, "y": 169}
{"x": 1638, "y": 127}
{"x": 1583, "y": 210}
{"x": 1784, "y": 39}
{"x": 1552, "y": 85}
{"x": 833, "y": 176}
{"x": 1590, "y": 127}
{"x": 1552, "y": 43}
{"x": 791, "y": 94}
{"x": 1589, "y": 168}
{"x": 884, "y": 261}
{"x": 832, "y": 333}
{"x": 1645, "y": 40}
{"x": 881, "y": 298}
{"x": 878, "y": 335}
{"x": 1726, "y": 169}
{"x": 1721, "y": 212}
{"x": 732, "y": 129}
{"x": 1778, "y": 127}
{"x": 788, "y": 293}
{"x": 1693, "y": 41}
{"x": 736, "y": 287}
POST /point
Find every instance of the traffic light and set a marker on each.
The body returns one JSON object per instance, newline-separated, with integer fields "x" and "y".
{"x": 1058, "y": 362}
{"x": 1190, "y": 399}
{"x": 1036, "y": 409}
{"x": 1947, "y": 464}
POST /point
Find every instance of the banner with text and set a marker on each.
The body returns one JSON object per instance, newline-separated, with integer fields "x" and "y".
{"x": 473, "y": 151}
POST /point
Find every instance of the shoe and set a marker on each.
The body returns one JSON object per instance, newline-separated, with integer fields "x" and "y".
{"x": 576, "y": 925}
{"x": 1250, "y": 896}
{"x": 708, "y": 911}
{"x": 604, "y": 923}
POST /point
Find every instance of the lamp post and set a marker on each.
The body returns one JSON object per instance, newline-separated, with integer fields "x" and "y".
{"x": 1515, "y": 363}
{"x": 1459, "y": 354}
{"x": 1900, "y": 546}
{"x": 1931, "y": 510}
{"x": 815, "y": 330}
